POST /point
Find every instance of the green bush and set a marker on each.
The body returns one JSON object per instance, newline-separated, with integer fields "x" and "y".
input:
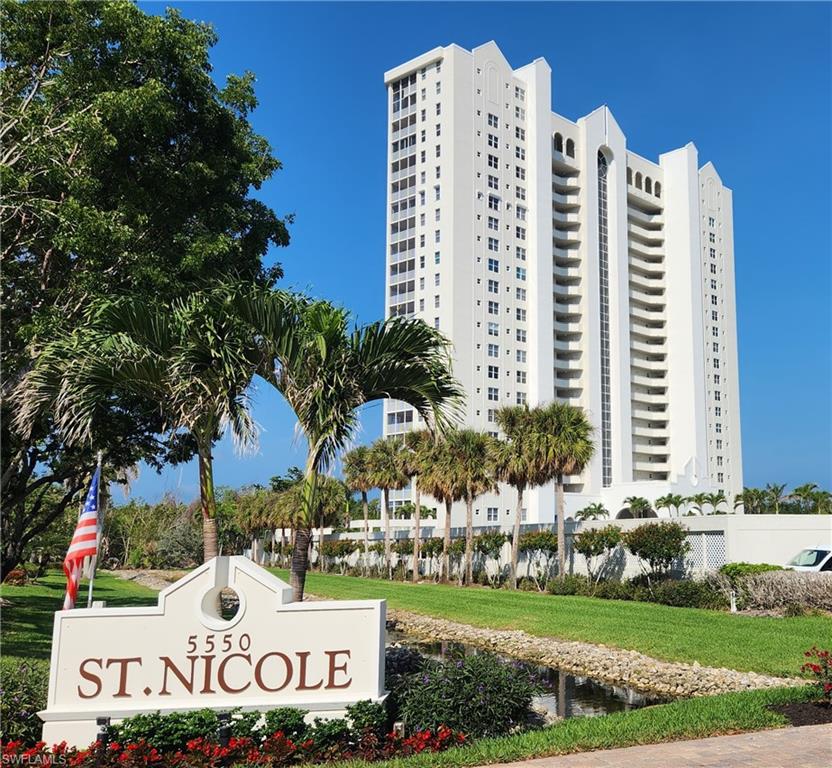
{"x": 288, "y": 720}
{"x": 479, "y": 695}
{"x": 659, "y": 545}
{"x": 167, "y": 732}
{"x": 614, "y": 590}
{"x": 569, "y": 584}
{"x": 686, "y": 593}
{"x": 23, "y": 689}
{"x": 736, "y": 571}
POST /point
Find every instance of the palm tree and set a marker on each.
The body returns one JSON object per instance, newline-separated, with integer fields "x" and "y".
{"x": 330, "y": 501}
{"x": 417, "y": 442}
{"x": 715, "y": 499}
{"x": 752, "y": 500}
{"x": 774, "y": 496}
{"x": 639, "y": 506}
{"x": 670, "y": 501}
{"x": 473, "y": 467}
{"x": 192, "y": 359}
{"x": 697, "y": 502}
{"x": 327, "y": 371}
{"x": 515, "y": 465}
{"x": 357, "y": 477}
{"x": 804, "y": 495}
{"x": 439, "y": 480}
{"x": 387, "y": 465}
{"x": 562, "y": 438}
{"x": 592, "y": 512}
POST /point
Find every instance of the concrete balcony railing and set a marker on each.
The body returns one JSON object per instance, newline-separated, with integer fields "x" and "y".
{"x": 650, "y": 432}
{"x": 645, "y": 449}
{"x": 649, "y": 220}
{"x": 648, "y": 315}
{"x": 645, "y": 251}
{"x": 566, "y": 328}
{"x": 641, "y": 411}
{"x": 639, "y": 280}
{"x": 643, "y": 464}
{"x": 642, "y": 399}
{"x": 566, "y": 199}
{"x": 648, "y": 236}
{"x": 659, "y": 348}
{"x": 562, "y": 382}
{"x": 566, "y": 257}
{"x": 646, "y": 299}
{"x": 566, "y": 272}
{"x": 566, "y": 219}
{"x": 563, "y": 182}
{"x": 568, "y": 345}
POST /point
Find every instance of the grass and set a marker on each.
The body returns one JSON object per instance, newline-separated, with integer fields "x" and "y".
{"x": 27, "y": 622}
{"x": 690, "y": 719}
{"x": 772, "y": 646}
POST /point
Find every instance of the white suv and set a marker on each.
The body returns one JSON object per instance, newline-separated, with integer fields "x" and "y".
{"x": 812, "y": 559}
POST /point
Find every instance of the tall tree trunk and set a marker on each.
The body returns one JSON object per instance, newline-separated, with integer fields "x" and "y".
{"x": 303, "y": 534}
{"x": 445, "y": 570}
{"x": 417, "y": 533}
{"x": 559, "y": 507}
{"x": 365, "y": 507}
{"x": 207, "y": 502}
{"x": 321, "y": 543}
{"x": 515, "y": 538}
{"x": 388, "y": 560}
{"x": 469, "y": 541}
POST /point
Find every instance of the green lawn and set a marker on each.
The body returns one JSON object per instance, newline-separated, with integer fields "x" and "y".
{"x": 713, "y": 638}
{"x": 690, "y": 719}
{"x": 27, "y": 622}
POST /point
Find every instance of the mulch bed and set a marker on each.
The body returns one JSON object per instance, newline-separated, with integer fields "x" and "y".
{"x": 805, "y": 712}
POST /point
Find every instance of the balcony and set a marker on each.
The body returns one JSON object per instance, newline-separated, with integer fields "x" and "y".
{"x": 566, "y": 220}
{"x": 565, "y": 200}
{"x": 567, "y": 328}
{"x": 640, "y": 411}
{"x": 649, "y": 348}
{"x": 566, "y": 272}
{"x": 567, "y": 383}
{"x": 658, "y": 433}
{"x": 643, "y": 463}
{"x": 568, "y": 346}
{"x": 646, "y": 283}
{"x": 639, "y": 399}
{"x": 565, "y": 183}
{"x": 562, "y": 237}
{"x": 647, "y": 220}
{"x": 566, "y": 257}
{"x": 645, "y": 449}
{"x": 649, "y": 253}
{"x": 652, "y": 316}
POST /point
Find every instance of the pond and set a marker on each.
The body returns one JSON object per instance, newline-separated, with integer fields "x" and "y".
{"x": 564, "y": 694}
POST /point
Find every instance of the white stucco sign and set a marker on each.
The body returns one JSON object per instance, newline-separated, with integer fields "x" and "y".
{"x": 180, "y": 654}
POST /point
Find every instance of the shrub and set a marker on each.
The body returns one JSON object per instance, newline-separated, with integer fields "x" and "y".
{"x": 658, "y": 544}
{"x": 779, "y": 590}
{"x": 596, "y": 543}
{"x": 736, "y": 571}
{"x": 288, "y": 720}
{"x": 541, "y": 549}
{"x": 168, "y": 732}
{"x": 23, "y": 689}
{"x": 399, "y": 663}
{"x": 180, "y": 546}
{"x": 17, "y": 577}
{"x": 614, "y": 590}
{"x": 688, "y": 593}
{"x": 569, "y": 584}
{"x": 478, "y": 695}
{"x": 821, "y": 668}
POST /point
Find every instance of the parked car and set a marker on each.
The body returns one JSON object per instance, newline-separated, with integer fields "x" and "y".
{"x": 812, "y": 559}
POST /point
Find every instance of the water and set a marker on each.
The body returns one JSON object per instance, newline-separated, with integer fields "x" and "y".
{"x": 564, "y": 694}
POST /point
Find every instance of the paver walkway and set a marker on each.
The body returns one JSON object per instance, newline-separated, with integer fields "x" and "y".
{"x": 806, "y": 747}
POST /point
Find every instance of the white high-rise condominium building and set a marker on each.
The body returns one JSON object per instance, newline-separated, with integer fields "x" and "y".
{"x": 563, "y": 266}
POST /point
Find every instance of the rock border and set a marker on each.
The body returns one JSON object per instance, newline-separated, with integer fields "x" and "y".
{"x": 610, "y": 665}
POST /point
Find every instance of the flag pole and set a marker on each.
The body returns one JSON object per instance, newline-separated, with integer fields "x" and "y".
{"x": 94, "y": 558}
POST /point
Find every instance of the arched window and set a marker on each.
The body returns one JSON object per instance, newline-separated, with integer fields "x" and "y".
{"x": 638, "y": 181}
{"x": 570, "y": 148}
{"x": 629, "y": 175}
{"x": 648, "y": 185}
{"x": 558, "y": 143}
{"x": 658, "y": 189}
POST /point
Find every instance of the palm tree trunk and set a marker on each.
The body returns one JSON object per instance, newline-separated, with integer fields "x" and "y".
{"x": 300, "y": 553}
{"x": 515, "y": 538}
{"x": 560, "y": 511}
{"x": 388, "y": 561}
{"x": 321, "y": 543}
{"x": 207, "y": 502}
{"x": 469, "y": 541}
{"x": 445, "y": 569}
{"x": 417, "y": 533}
{"x": 365, "y": 506}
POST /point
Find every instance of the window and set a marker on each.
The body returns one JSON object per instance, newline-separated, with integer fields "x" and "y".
{"x": 438, "y": 151}
{"x": 716, "y": 362}
{"x": 629, "y": 175}
{"x": 570, "y": 148}
{"x": 657, "y": 190}
{"x": 438, "y": 88}
{"x": 436, "y": 257}
{"x": 520, "y": 193}
{"x": 493, "y": 372}
{"x": 520, "y": 133}
{"x": 436, "y": 236}
{"x": 493, "y": 244}
{"x": 521, "y": 213}
{"x": 436, "y": 215}
{"x": 717, "y": 395}
{"x": 436, "y": 322}
{"x": 493, "y": 328}
{"x": 493, "y": 182}
{"x": 711, "y": 237}
{"x": 521, "y": 314}
{"x": 493, "y": 308}
{"x": 521, "y": 398}
{"x": 719, "y": 461}
{"x": 521, "y": 377}
{"x": 519, "y": 93}
{"x": 718, "y": 411}
{"x": 436, "y": 279}
{"x": 493, "y": 121}
{"x": 493, "y": 394}
{"x": 720, "y": 477}
{"x": 492, "y": 513}
{"x": 713, "y": 300}
{"x": 638, "y": 180}
{"x": 421, "y": 305}
{"x": 494, "y": 202}
{"x": 438, "y": 109}
{"x": 422, "y": 258}
{"x": 521, "y": 355}
{"x": 558, "y": 143}
{"x": 520, "y": 335}
{"x": 713, "y": 269}
{"x": 713, "y": 253}
{"x": 520, "y": 294}
{"x": 713, "y": 284}
{"x": 493, "y": 223}
{"x": 493, "y": 265}
{"x": 519, "y": 113}
{"x": 493, "y": 350}
{"x": 520, "y": 153}
{"x": 718, "y": 428}
{"x": 520, "y": 252}
{"x": 648, "y": 185}
{"x": 493, "y": 162}
{"x": 715, "y": 331}
{"x": 716, "y": 346}
{"x": 521, "y": 273}
{"x": 719, "y": 444}
{"x": 421, "y": 283}
{"x": 520, "y": 233}
{"x": 436, "y": 192}
{"x": 493, "y": 141}
{"x": 436, "y": 302}
{"x": 491, "y": 415}
{"x": 716, "y": 378}
{"x": 438, "y": 172}
{"x": 711, "y": 221}
{"x": 520, "y": 173}
{"x": 493, "y": 286}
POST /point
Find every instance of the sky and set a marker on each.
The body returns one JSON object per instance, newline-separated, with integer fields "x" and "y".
{"x": 750, "y": 84}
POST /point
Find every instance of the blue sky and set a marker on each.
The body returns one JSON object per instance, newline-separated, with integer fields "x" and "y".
{"x": 748, "y": 83}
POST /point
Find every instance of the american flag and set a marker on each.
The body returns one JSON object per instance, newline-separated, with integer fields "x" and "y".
{"x": 84, "y": 542}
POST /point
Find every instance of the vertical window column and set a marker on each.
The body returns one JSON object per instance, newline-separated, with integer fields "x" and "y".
{"x": 604, "y": 293}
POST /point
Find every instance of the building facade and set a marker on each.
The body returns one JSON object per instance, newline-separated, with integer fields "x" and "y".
{"x": 564, "y": 266}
